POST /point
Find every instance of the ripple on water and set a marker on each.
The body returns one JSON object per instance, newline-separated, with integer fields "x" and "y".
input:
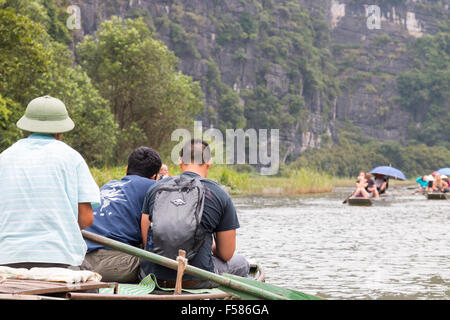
{"x": 397, "y": 250}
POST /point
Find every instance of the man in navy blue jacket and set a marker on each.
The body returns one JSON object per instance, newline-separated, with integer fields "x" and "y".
{"x": 119, "y": 218}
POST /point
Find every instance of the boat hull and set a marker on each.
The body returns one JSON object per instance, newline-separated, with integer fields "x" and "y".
{"x": 436, "y": 196}
{"x": 359, "y": 202}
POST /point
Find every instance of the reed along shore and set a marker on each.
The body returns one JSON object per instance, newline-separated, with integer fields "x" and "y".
{"x": 243, "y": 180}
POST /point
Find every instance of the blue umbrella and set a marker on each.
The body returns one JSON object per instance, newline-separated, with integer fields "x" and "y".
{"x": 445, "y": 171}
{"x": 389, "y": 171}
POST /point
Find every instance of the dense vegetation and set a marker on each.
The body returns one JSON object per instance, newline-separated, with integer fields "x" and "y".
{"x": 32, "y": 64}
{"x": 282, "y": 37}
{"x": 118, "y": 96}
{"x": 244, "y": 180}
{"x": 425, "y": 90}
{"x": 353, "y": 153}
{"x": 123, "y": 87}
{"x": 137, "y": 75}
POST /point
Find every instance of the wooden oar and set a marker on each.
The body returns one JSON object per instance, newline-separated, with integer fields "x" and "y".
{"x": 345, "y": 201}
{"x": 238, "y": 286}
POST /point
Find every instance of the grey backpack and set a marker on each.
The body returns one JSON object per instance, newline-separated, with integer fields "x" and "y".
{"x": 177, "y": 212}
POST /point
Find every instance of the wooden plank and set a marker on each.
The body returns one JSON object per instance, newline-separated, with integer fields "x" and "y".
{"x": 95, "y": 296}
{"x": 16, "y": 285}
{"x": 27, "y": 297}
{"x": 36, "y": 287}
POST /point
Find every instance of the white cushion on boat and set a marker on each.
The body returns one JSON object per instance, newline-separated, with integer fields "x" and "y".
{"x": 50, "y": 274}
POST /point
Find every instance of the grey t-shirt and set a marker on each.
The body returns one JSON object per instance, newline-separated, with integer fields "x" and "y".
{"x": 219, "y": 214}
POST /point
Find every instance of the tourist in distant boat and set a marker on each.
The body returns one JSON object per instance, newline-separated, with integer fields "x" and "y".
{"x": 440, "y": 184}
{"x": 47, "y": 193}
{"x": 382, "y": 183}
{"x": 361, "y": 175}
{"x": 371, "y": 187}
{"x": 423, "y": 183}
{"x": 163, "y": 172}
{"x": 446, "y": 180}
{"x": 119, "y": 218}
{"x": 431, "y": 186}
{"x": 361, "y": 185}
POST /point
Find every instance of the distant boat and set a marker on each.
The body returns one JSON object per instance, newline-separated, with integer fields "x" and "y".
{"x": 436, "y": 196}
{"x": 359, "y": 201}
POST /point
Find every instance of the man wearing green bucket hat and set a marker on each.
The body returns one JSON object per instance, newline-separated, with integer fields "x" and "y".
{"x": 47, "y": 192}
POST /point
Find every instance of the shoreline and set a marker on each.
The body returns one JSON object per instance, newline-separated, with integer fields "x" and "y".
{"x": 249, "y": 183}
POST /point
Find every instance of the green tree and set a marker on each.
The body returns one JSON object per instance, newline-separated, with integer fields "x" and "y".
{"x": 262, "y": 108}
{"x": 31, "y": 65}
{"x": 95, "y": 133}
{"x": 230, "y": 110}
{"x": 33, "y": 9}
{"x": 9, "y": 133}
{"x": 425, "y": 89}
{"x": 137, "y": 74}
{"x": 354, "y": 152}
{"x": 49, "y": 13}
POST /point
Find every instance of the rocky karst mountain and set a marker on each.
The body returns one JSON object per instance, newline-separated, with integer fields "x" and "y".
{"x": 304, "y": 66}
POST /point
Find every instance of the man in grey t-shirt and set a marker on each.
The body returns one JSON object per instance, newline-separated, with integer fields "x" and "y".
{"x": 219, "y": 218}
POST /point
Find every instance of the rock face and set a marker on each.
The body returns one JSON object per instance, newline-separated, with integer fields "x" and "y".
{"x": 368, "y": 46}
{"x": 379, "y": 54}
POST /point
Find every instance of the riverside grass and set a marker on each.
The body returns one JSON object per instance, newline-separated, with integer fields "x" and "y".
{"x": 244, "y": 181}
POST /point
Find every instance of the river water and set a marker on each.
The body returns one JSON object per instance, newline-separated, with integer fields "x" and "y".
{"x": 397, "y": 249}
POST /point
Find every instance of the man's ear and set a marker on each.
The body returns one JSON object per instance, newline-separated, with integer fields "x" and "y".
{"x": 208, "y": 165}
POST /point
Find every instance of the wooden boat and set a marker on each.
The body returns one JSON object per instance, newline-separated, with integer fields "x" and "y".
{"x": 20, "y": 289}
{"x": 359, "y": 201}
{"x": 24, "y": 289}
{"x": 436, "y": 196}
{"x": 229, "y": 286}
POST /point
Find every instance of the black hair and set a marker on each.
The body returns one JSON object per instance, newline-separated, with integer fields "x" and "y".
{"x": 144, "y": 162}
{"x": 195, "y": 151}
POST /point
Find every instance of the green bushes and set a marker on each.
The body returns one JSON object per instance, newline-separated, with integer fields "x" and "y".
{"x": 124, "y": 91}
{"x": 138, "y": 76}
{"x": 354, "y": 153}
{"x": 33, "y": 64}
{"x": 425, "y": 90}
{"x": 182, "y": 41}
{"x": 230, "y": 110}
{"x": 247, "y": 182}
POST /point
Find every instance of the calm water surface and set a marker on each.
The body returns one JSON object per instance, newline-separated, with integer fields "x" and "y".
{"x": 397, "y": 249}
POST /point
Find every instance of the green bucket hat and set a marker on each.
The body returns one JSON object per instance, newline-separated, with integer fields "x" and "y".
{"x": 46, "y": 115}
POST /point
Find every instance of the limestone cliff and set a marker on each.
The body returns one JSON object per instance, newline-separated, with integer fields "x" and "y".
{"x": 369, "y": 60}
{"x": 323, "y": 62}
